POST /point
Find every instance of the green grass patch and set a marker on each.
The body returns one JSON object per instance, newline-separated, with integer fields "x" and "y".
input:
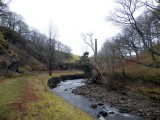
{"x": 51, "y": 106}
{"x": 48, "y": 106}
{"x": 10, "y": 91}
{"x": 73, "y": 59}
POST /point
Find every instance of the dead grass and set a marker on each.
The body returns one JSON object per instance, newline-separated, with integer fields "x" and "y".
{"x": 29, "y": 95}
{"x": 151, "y": 93}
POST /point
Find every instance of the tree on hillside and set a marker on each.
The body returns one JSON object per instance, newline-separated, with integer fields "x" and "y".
{"x": 125, "y": 16}
{"x": 109, "y": 51}
{"x": 14, "y": 22}
{"x": 42, "y": 47}
{"x": 152, "y": 6}
{"x": 51, "y": 46}
{"x": 3, "y": 8}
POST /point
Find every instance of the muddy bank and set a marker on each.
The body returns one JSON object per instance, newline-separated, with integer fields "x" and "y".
{"x": 126, "y": 102}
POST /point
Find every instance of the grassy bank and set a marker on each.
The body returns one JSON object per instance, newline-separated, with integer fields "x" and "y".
{"x": 29, "y": 98}
{"x": 147, "y": 86}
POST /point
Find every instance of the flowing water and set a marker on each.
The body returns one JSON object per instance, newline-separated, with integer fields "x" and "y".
{"x": 64, "y": 89}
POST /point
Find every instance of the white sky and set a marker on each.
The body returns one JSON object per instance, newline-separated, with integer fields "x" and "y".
{"x": 71, "y": 18}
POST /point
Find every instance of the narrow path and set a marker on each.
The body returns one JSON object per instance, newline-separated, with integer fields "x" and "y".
{"x": 29, "y": 95}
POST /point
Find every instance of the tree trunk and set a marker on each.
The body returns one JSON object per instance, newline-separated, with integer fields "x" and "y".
{"x": 50, "y": 66}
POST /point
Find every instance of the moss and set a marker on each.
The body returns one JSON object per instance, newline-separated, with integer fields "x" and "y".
{"x": 3, "y": 43}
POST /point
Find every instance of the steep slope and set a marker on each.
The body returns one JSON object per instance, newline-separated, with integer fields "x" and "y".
{"x": 8, "y": 58}
{"x": 14, "y": 55}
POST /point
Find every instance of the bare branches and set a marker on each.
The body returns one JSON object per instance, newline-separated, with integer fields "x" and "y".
{"x": 88, "y": 39}
{"x": 126, "y": 16}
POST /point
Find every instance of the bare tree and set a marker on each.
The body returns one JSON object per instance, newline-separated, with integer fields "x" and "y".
{"x": 22, "y": 28}
{"x": 126, "y": 15}
{"x": 3, "y": 8}
{"x": 153, "y": 6}
{"x": 51, "y": 45}
{"x": 88, "y": 39}
{"x": 114, "y": 50}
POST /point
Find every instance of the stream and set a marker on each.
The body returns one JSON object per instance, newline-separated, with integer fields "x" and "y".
{"x": 64, "y": 89}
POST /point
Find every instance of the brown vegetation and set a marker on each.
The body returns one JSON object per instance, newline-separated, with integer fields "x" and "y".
{"x": 29, "y": 95}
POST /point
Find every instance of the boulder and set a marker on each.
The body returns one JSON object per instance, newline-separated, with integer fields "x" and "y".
{"x": 103, "y": 113}
{"x": 93, "y": 106}
{"x": 100, "y": 104}
{"x": 52, "y": 82}
{"x": 111, "y": 112}
{"x": 8, "y": 58}
{"x": 14, "y": 66}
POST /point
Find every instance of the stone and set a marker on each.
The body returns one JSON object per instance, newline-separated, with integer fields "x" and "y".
{"x": 14, "y": 66}
{"x": 98, "y": 115}
{"x": 111, "y": 112}
{"x": 93, "y": 106}
{"x": 65, "y": 89}
{"x": 124, "y": 110}
{"x": 103, "y": 113}
{"x": 100, "y": 104}
{"x": 123, "y": 93}
{"x": 122, "y": 98}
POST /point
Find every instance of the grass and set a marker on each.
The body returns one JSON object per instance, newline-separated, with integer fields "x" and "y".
{"x": 10, "y": 92}
{"x": 29, "y": 63}
{"x": 139, "y": 71}
{"x": 142, "y": 80}
{"x": 149, "y": 93}
{"x": 29, "y": 98}
{"x": 73, "y": 59}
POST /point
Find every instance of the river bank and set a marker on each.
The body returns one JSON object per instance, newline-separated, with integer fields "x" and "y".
{"x": 96, "y": 109}
{"x": 126, "y": 102}
{"x": 27, "y": 97}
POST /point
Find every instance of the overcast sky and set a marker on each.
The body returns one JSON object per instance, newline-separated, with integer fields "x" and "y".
{"x": 71, "y": 18}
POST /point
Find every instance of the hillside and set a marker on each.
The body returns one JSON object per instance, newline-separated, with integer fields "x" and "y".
{"x": 72, "y": 59}
{"x": 134, "y": 78}
{"x": 13, "y": 55}
{"x": 29, "y": 55}
{"x": 138, "y": 70}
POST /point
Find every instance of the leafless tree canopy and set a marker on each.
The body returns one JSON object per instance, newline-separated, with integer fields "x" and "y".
{"x": 46, "y": 48}
{"x": 140, "y": 23}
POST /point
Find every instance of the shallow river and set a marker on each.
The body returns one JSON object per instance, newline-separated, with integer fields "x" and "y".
{"x": 64, "y": 89}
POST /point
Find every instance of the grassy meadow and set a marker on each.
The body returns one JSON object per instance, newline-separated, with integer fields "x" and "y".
{"x": 29, "y": 98}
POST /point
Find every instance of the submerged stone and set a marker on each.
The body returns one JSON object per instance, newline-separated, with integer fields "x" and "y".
{"x": 100, "y": 104}
{"x": 103, "y": 113}
{"x": 93, "y": 106}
